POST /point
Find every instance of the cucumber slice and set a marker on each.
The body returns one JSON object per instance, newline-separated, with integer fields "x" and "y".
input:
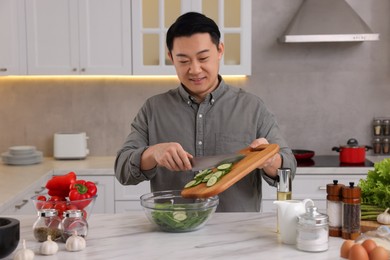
{"x": 179, "y": 215}
{"x": 207, "y": 177}
{"x": 218, "y": 174}
{"x": 202, "y": 174}
{"x": 192, "y": 183}
{"x": 213, "y": 180}
{"x": 225, "y": 166}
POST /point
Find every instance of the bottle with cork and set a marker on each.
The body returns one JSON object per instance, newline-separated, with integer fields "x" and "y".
{"x": 351, "y": 201}
{"x": 333, "y": 208}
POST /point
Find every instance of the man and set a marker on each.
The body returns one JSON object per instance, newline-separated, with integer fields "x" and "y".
{"x": 202, "y": 117}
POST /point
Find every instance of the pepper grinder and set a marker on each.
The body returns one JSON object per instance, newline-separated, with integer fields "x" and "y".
{"x": 283, "y": 187}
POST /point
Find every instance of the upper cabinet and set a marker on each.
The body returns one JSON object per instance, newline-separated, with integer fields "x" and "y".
{"x": 84, "y": 37}
{"x": 152, "y": 18}
{"x": 13, "y": 37}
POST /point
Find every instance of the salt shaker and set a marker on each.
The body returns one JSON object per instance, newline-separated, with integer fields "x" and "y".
{"x": 333, "y": 208}
{"x": 47, "y": 224}
{"x": 74, "y": 223}
{"x": 351, "y": 211}
{"x": 313, "y": 231}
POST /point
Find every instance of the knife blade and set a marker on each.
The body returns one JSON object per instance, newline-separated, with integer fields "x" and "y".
{"x": 206, "y": 162}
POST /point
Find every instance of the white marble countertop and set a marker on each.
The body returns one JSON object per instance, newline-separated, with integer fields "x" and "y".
{"x": 225, "y": 236}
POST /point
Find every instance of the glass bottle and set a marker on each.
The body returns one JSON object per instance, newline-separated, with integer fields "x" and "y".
{"x": 74, "y": 223}
{"x": 283, "y": 188}
{"x": 47, "y": 223}
{"x": 377, "y": 125}
{"x": 350, "y": 211}
{"x": 333, "y": 208}
{"x": 312, "y": 231}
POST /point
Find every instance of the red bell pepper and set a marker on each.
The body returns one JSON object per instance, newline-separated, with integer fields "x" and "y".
{"x": 60, "y": 185}
{"x": 82, "y": 190}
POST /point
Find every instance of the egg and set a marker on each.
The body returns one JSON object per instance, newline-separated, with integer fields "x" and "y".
{"x": 345, "y": 247}
{"x": 369, "y": 245}
{"x": 357, "y": 252}
{"x": 379, "y": 253}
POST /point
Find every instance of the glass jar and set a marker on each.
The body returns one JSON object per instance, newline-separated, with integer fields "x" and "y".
{"x": 377, "y": 127}
{"x": 47, "y": 224}
{"x": 377, "y": 145}
{"x": 74, "y": 223}
{"x": 386, "y": 146}
{"x": 312, "y": 231}
{"x": 386, "y": 127}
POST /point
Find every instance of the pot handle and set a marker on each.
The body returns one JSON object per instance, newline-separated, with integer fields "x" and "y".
{"x": 337, "y": 149}
{"x": 368, "y": 147}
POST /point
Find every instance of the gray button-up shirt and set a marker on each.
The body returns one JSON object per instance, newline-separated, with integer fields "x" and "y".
{"x": 228, "y": 120}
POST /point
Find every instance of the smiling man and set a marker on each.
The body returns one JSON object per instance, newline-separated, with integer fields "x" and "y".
{"x": 202, "y": 117}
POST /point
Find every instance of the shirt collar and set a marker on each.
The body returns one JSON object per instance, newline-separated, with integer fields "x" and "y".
{"x": 211, "y": 98}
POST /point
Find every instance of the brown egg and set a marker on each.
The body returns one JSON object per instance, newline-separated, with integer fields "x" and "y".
{"x": 345, "y": 247}
{"x": 357, "y": 252}
{"x": 369, "y": 245}
{"x": 379, "y": 253}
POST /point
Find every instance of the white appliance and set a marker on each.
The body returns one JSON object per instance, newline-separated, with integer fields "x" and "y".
{"x": 70, "y": 145}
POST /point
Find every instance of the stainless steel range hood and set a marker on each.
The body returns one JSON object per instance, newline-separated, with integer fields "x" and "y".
{"x": 327, "y": 21}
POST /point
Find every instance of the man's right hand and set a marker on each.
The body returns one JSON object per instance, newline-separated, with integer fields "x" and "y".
{"x": 169, "y": 155}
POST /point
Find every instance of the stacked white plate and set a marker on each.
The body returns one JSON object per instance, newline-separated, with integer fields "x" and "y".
{"x": 22, "y": 155}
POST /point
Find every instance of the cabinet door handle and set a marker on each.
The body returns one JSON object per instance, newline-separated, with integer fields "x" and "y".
{"x": 83, "y": 69}
{"x": 3, "y": 69}
{"x": 322, "y": 188}
{"x": 74, "y": 69}
{"x": 21, "y": 205}
{"x": 39, "y": 191}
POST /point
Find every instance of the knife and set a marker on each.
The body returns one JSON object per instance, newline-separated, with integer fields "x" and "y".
{"x": 207, "y": 162}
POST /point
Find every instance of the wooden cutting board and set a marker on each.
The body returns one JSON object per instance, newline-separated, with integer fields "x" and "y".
{"x": 253, "y": 159}
{"x": 366, "y": 225}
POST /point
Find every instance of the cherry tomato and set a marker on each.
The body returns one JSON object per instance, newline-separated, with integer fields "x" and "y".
{"x": 56, "y": 198}
{"x": 42, "y": 198}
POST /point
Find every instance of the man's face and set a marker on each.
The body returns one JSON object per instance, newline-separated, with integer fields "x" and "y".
{"x": 196, "y": 60}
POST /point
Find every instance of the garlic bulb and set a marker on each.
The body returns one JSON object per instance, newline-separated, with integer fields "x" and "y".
{"x": 24, "y": 253}
{"x": 49, "y": 247}
{"x": 75, "y": 243}
{"x": 384, "y": 218}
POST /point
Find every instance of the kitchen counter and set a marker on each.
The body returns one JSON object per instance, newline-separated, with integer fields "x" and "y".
{"x": 17, "y": 179}
{"x": 226, "y": 236}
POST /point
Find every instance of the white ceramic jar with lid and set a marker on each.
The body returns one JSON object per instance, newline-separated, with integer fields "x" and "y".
{"x": 313, "y": 231}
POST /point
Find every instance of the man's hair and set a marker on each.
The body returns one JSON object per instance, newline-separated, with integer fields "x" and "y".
{"x": 191, "y": 23}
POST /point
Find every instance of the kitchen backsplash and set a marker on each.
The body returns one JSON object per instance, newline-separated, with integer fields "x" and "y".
{"x": 322, "y": 94}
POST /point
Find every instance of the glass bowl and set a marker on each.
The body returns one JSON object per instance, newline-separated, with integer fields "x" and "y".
{"x": 85, "y": 205}
{"x": 169, "y": 211}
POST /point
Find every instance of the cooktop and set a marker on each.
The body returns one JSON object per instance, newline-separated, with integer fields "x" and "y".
{"x": 330, "y": 161}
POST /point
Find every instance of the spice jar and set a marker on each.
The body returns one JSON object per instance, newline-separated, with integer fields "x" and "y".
{"x": 350, "y": 211}
{"x": 377, "y": 143}
{"x": 386, "y": 127}
{"x": 333, "y": 208}
{"x": 312, "y": 231}
{"x": 386, "y": 146}
{"x": 377, "y": 126}
{"x": 47, "y": 223}
{"x": 74, "y": 223}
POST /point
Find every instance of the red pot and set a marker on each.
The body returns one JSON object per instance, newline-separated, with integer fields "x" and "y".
{"x": 352, "y": 153}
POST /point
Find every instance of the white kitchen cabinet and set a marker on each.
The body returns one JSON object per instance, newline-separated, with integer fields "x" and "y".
{"x": 84, "y": 37}
{"x": 152, "y": 18}
{"x": 22, "y": 204}
{"x": 308, "y": 186}
{"x": 127, "y": 197}
{"x": 13, "y": 38}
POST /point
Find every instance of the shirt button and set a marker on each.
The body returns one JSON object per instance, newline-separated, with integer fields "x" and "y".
{"x": 189, "y": 102}
{"x": 200, "y": 142}
{"x": 200, "y": 115}
{"x": 212, "y": 101}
